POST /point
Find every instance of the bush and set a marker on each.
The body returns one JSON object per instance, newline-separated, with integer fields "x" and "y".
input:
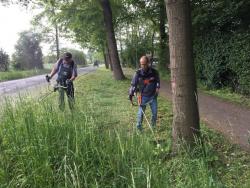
{"x": 223, "y": 60}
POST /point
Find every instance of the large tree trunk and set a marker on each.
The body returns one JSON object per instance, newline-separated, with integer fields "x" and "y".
{"x": 57, "y": 32}
{"x": 105, "y": 57}
{"x": 164, "y": 53}
{"x": 152, "y": 47}
{"x": 121, "y": 50}
{"x": 57, "y": 42}
{"x": 108, "y": 58}
{"x": 185, "y": 108}
{"x": 107, "y": 13}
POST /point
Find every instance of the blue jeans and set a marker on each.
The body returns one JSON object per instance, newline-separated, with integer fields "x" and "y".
{"x": 152, "y": 101}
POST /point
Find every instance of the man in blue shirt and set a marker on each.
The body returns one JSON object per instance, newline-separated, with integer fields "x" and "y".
{"x": 146, "y": 83}
{"x": 66, "y": 70}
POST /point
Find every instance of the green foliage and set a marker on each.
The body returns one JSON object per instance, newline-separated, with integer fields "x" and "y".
{"x": 220, "y": 15}
{"x": 143, "y": 27}
{"x": 84, "y": 20}
{"x": 28, "y": 53}
{"x": 135, "y": 49}
{"x": 223, "y": 60}
{"x": 222, "y": 43}
{"x": 4, "y": 61}
{"x": 78, "y": 56}
{"x": 96, "y": 145}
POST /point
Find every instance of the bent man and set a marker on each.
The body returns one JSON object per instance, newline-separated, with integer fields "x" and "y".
{"x": 66, "y": 70}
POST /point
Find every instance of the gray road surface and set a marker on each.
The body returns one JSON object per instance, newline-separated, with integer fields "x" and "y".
{"x": 230, "y": 119}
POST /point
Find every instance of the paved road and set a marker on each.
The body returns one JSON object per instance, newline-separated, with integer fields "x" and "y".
{"x": 230, "y": 119}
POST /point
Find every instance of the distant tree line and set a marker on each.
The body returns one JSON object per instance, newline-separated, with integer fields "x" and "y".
{"x": 4, "y": 61}
{"x": 78, "y": 56}
{"x": 28, "y": 54}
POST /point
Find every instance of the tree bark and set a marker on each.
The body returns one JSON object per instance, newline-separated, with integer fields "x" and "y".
{"x": 57, "y": 42}
{"x": 105, "y": 58}
{"x": 153, "y": 47}
{"x": 57, "y": 32}
{"x": 108, "y": 58}
{"x": 121, "y": 50}
{"x": 107, "y": 13}
{"x": 164, "y": 52}
{"x": 185, "y": 108}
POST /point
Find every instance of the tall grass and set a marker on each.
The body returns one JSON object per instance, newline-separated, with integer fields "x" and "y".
{"x": 96, "y": 145}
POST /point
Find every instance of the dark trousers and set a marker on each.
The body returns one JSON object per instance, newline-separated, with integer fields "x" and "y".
{"x": 70, "y": 95}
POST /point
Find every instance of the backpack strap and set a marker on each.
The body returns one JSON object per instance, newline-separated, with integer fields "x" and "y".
{"x": 61, "y": 62}
{"x": 72, "y": 64}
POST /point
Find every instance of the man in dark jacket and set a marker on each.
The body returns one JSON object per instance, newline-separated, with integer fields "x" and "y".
{"x": 146, "y": 83}
{"x": 66, "y": 70}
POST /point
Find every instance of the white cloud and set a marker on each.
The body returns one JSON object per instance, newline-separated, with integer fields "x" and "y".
{"x": 15, "y": 19}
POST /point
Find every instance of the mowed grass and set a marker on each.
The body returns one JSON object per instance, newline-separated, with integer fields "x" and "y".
{"x": 97, "y": 145}
{"x": 228, "y": 95}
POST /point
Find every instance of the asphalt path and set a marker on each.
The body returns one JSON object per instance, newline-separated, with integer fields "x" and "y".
{"x": 231, "y": 119}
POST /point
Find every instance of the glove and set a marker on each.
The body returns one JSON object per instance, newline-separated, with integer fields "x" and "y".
{"x": 131, "y": 93}
{"x": 130, "y": 97}
{"x": 47, "y": 77}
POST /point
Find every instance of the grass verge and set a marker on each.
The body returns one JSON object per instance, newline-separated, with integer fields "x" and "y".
{"x": 12, "y": 75}
{"x": 227, "y": 94}
{"x": 96, "y": 145}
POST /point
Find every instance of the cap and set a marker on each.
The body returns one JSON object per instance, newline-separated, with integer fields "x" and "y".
{"x": 67, "y": 55}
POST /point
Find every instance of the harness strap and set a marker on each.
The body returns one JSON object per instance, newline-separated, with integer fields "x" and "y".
{"x": 139, "y": 99}
{"x": 146, "y": 81}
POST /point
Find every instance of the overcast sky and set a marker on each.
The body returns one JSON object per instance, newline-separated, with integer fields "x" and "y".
{"x": 13, "y": 20}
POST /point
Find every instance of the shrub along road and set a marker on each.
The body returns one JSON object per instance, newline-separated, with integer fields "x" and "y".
{"x": 230, "y": 119}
